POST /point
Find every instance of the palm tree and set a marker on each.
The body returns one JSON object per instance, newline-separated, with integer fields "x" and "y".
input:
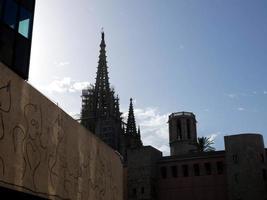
{"x": 204, "y": 144}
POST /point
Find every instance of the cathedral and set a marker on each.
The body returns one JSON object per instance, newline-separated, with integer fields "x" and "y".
{"x": 237, "y": 173}
{"x": 46, "y": 154}
{"x": 101, "y": 111}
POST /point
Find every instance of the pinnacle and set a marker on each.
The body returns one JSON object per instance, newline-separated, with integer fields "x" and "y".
{"x": 131, "y": 126}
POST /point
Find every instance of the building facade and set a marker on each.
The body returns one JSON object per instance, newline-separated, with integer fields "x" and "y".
{"x": 16, "y": 22}
{"x": 236, "y": 173}
{"x": 101, "y": 111}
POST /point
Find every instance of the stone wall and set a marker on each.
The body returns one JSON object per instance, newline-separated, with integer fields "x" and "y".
{"x": 246, "y": 167}
{"x": 43, "y": 151}
{"x": 191, "y": 184}
{"x": 142, "y": 173}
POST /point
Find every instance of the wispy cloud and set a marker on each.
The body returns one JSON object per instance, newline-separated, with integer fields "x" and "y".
{"x": 65, "y": 84}
{"x": 232, "y": 96}
{"x": 240, "y": 109}
{"x": 154, "y": 128}
{"x": 61, "y": 63}
{"x": 246, "y": 94}
{"x": 213, "y": 136}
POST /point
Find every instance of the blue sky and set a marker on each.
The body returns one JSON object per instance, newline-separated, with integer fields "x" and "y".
{"x": 207, "y": 57}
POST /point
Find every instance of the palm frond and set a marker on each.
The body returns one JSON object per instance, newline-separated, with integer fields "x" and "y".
{"x": 204, "y": 144}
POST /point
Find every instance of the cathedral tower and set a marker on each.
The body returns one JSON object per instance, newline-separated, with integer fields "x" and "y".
{"x": 132, "y": 137}
{"x": 100, "y": 107}
{"x": 182, "y": 133}
{"x": 131, "y": 131}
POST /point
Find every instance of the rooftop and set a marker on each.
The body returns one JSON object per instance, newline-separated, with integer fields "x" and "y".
{"x": 183, "y": 113}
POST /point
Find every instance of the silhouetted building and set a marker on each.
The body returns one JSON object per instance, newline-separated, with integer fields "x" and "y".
{"x": 101, "y": 112}
{"x": 16, "y": 20}
{"x": 132, "y": 137}
{"x": 237, "y": 173}
{"x": 100, "y": 107}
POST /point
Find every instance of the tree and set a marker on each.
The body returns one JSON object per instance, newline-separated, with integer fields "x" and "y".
{"x": 204, "y": 144}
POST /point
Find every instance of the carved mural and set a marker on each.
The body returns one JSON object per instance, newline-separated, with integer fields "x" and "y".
{"x": 45, "y": 152}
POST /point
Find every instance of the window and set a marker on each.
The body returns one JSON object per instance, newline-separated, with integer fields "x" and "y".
{"x": 235, "y": 158}
{"x": 142, "y": 190}
{"x": 219, "y": 167}
{"x": 185, "y": 170}
{"x": 153, "y": 191}
{"x": 1, "y": 7}
{"x": 264, "y": 174}
{"x": 196, "y": 170}
{"x": 134, "y": 192}
{"x": 208, "y": 168}
{"x": 188, "y": 129}
{"x": 163, "y": 171}
{"x": 236, "y": 178}
{"x": 25, "y": 21}
{"x": 16, "y": 35}
{"x": 10, "y": 14}
{"x": 179, "y": 130}
{"x": 174, "y": 171}
{"x": 262, "y": 158}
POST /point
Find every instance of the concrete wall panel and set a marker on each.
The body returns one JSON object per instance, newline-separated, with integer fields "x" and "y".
{"x": 45, "y": 152}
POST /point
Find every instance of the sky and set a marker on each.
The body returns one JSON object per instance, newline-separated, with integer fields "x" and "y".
{"x": 203, "y": 56}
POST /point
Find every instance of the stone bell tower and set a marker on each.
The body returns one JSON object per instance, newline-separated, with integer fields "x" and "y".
{"x": 182, "y": 133}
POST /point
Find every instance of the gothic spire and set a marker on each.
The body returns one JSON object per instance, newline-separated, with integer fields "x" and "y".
{"x": 100, "y": 106}
{"x": 131, "y": 126}
{"x": 102, "y": 87}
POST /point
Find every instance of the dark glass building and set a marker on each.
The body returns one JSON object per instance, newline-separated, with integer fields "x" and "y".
{"x": 16, "y": 22}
